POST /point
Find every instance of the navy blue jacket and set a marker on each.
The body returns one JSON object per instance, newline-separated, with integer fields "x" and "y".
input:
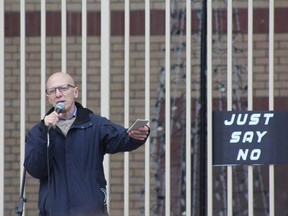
{"x": 75, "y": 184}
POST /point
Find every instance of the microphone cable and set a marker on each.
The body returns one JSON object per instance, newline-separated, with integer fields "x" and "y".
{"x": 48, "y": 171}
{"x": 60, "y": 107}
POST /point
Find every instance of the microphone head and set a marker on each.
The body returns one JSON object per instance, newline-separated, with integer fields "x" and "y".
{"x": 60, "y": 107}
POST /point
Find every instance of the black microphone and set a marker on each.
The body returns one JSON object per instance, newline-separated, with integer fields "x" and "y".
{"x": 60, "y": 107}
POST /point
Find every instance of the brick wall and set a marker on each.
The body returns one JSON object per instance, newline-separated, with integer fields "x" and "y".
{"x": 137, "y": 50}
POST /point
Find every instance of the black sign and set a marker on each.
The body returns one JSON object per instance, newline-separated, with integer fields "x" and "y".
{"x": 250, "y": 137}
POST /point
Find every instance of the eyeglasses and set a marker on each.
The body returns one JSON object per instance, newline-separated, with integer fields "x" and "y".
{"x": 62, "y": 88}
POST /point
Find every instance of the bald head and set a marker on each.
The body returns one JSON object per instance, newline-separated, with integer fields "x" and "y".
{"x": 59, "y": 78}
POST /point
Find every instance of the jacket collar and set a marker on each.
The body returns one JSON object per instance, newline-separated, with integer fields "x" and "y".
{"x": 82, "y": 114}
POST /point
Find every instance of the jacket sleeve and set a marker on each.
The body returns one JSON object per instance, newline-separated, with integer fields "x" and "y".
{"x": 115, "y": 138}
{"x": 36, "y": 152}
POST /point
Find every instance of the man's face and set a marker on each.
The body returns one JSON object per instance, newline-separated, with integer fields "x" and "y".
{"x": 61, "y": 88}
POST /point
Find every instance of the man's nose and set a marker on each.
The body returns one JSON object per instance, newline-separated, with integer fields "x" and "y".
{"x": 57, "y": 92}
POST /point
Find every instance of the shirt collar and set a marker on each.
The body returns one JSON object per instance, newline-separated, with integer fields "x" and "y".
{"x": 73, "y": 115}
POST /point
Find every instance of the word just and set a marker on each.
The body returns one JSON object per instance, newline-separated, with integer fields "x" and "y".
{"x": 250, "y": 119}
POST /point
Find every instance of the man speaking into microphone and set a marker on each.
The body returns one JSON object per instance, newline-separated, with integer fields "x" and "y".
{"x": 65, "y": 151}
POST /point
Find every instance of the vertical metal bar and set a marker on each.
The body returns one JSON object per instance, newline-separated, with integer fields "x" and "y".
{"x": 64, "y": 35}
{"x": 188, "y": 108}
{"x": 209, "y": 111}
{"x": 126, "y": 103}
{"x": 229, "y": 53}
{"x": 84, "y": 53}
{"x": 105, "y": 77}
{"x": 250, "y": 99}
{"x": 203, "y": 113}
{"x": 2, "y": 68}
{"x": 167, "y": 109}
{"x": 250, "y": 55}
{"x": 22, "y": 84}
{"x": 43, "y": 57}
{"x": 271, "y": 101}
{"x": 147, "y": 105}
{"x": 229, "y": 98}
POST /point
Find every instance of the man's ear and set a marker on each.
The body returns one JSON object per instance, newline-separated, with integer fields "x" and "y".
{"x": 76, "y": 92}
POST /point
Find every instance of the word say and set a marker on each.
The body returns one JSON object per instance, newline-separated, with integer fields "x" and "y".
{"x": 247, "y": 136}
